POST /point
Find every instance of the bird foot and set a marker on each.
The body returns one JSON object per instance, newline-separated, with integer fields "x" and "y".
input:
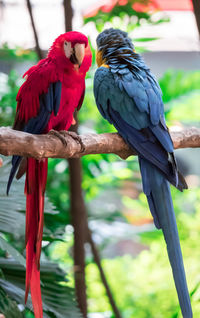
{"x": 63, "y": 133}
{"x": 58, "y": 135}
{"x": 76, "y": 137}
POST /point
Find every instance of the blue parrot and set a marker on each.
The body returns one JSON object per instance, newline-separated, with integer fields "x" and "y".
{"x": 129, "y": 97}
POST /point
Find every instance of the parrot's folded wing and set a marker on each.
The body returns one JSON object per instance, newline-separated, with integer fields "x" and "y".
{"x": 125, "y": 109}
{"x": 48, "y": 103}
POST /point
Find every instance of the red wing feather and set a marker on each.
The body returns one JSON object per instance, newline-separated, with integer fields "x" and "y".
{"x": 38, "y": 79}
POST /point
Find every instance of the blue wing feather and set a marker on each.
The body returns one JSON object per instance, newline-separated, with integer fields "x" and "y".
{"x": 135, "y": 108}
{"x": 57, "y": 88}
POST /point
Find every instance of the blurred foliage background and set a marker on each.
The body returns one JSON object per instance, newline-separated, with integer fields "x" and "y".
{"x": 133, "y": 253}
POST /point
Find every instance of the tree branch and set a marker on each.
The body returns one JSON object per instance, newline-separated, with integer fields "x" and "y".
{"x": 68, "y": 14}
{"x": 14, "y": 142}
{"x": 97, "y": 260}
{"x": 38, "y": 49}
{"x": 196, "y": 8}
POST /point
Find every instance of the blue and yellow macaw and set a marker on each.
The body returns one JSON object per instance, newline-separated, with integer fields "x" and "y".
{"x": 129, "y": 97}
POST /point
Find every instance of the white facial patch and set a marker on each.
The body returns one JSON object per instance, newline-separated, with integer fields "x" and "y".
{"x": 68, "y": 49}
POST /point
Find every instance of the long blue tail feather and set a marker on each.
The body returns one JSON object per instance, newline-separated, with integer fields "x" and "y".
{"x": 158, "y": 193}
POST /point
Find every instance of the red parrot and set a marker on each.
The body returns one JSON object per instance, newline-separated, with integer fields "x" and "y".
{"x": 46, "y": 101}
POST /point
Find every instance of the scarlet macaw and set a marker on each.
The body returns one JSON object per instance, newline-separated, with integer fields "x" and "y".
{"x": 46, "y": 101}
{"x": 129, "y": 97}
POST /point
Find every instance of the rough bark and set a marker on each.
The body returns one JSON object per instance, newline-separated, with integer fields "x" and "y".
{"x": 37, "y": 46}
{"x": 13, "y": 142}
{"x": 68, "y": 14}
{"x": 196, "y": 7}
{"x": 79, "y": 221}
{"x": 77, "y": 205}
{"x": 79, "y": 216}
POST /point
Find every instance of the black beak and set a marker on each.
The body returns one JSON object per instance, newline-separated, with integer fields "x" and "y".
{"x": 73, "y": 59}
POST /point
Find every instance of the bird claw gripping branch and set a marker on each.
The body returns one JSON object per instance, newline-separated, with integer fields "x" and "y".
{"x": 53, "y": 89}
{"x": 63, "y": 133}
{"x": 77, "y": 138}
{"x": 129, "y": 97}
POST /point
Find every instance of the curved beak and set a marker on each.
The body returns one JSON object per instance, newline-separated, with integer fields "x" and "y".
{"x": 79, "y": 52}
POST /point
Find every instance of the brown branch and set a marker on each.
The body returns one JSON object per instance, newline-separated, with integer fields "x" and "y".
{"x": 68, "y": 15}
{"x": 196, "y": 7}
{"x": 79, "y": 221}
{"x": 77, "y": 205}
{"x": 79, "y": 216}
{"x": 38, "y": 49}
{"x": 14, "y": 142}
{"x": 97, "y": 260}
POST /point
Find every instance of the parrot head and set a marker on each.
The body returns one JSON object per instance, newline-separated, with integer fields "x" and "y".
{"x": 72, "y": 45}
{"x": 113, "y": 43}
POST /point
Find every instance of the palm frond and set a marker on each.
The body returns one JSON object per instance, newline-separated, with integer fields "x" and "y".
{"x": 58, "y": 298}
{"x": 12, "y": 207}
{"x": 8, "y": 307}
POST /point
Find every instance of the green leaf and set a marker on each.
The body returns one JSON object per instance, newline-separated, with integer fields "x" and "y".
{"x": 146, "y": 39}
{"x": 17, "y": 53}
{"x": 12, "y": 251}
{"x": 12, "y": 207}
{"x": 177, "y": 83}
{"x": 185, "y": 108}
{"x": 8, "y": 307}
{"x": 58, "y": 298}
{"x": 12, "y": 221}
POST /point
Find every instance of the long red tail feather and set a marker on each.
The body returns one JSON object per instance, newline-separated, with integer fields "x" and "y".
{"x": 36, "y": 176}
